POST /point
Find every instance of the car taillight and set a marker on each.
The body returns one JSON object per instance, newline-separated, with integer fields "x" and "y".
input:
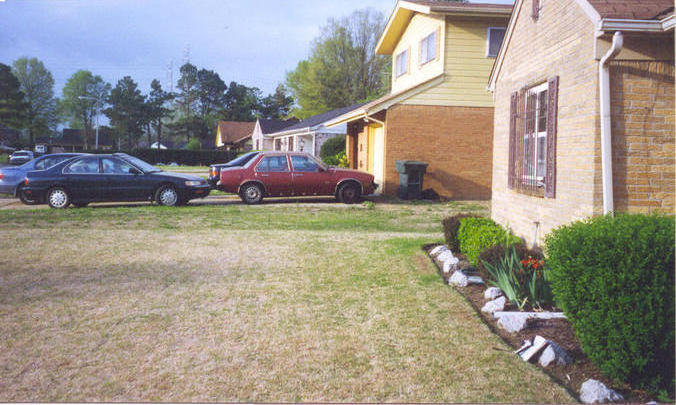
{"x": 2, "y": 176}
{"x": 25, "y": 182}
{"x": 212, "y": 172}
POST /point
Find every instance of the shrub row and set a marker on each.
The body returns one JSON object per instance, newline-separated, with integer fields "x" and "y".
{"x": 478, "y": 234}
{"x": 180, "y": 156}
{"x": 614, "y": 279}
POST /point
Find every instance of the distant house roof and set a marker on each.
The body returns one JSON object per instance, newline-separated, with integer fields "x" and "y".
{"x": 316, "y": 121}
{"x": 272, "y": 126}
{"x": 232, "y": 132}
{"x": 632, "y": 9}
{"x": 70, "y": 137}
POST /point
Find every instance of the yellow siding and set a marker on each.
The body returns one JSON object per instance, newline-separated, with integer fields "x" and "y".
{"x": 420, "y": 27}
{"x": 466, "y": 66}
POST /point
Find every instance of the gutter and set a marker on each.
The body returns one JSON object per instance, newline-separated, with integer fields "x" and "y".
{"x": 606, "y": 124}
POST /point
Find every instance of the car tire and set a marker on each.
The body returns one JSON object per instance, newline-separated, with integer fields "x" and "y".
{"x": 58, "y": 198}
{"x": 25, "y": 199}
{"x": 252, "y": 193}
{"x": 349, "y": 193}
{"x": 80, "y": 204}
{"x": 167, "y": 196}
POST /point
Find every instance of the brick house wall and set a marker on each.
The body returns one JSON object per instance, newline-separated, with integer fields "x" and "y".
{"x": 642, "y": 100}
{"x": 562, "y": 43}
{"x": 455, "y": 141}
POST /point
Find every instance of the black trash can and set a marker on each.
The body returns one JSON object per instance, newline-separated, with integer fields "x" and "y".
{"x": 411, "y": 173}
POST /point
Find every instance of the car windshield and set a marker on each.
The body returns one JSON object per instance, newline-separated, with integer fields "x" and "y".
{"x": 242, "y": 160}
{"x": 146, "y": 167}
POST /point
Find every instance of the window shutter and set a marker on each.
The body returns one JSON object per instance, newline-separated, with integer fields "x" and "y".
{"x": 552, "y": 107}
{"x": 536, "y": 9}
{"x": 511, "y": 168}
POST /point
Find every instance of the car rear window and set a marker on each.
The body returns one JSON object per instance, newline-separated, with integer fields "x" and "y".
{"x": 20, "y": 154}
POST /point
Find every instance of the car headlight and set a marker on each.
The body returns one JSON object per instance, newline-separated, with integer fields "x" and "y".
{"x": 194, "y": 183}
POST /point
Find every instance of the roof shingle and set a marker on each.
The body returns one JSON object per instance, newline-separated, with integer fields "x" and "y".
{"x": 234, "y": 131}
{"x": 632, "y": 9}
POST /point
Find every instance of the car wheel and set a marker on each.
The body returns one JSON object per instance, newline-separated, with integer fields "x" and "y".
{"x": 25, "y": 199}
{"x": 58, "y": 197}
{"x": 252, "y": 193}
{"x": 167, "y": 196}
{"x": 80, "y": 204}
{"x": 349, "y": 193}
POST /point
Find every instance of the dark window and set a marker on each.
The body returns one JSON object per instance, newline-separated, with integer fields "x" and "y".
{"x": 273, "y": 164}
{"x": 88, "y": 165}
{"x": 495, "y": 37}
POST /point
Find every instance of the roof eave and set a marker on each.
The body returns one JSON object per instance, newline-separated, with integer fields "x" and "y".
{"x": 607, "y": 25}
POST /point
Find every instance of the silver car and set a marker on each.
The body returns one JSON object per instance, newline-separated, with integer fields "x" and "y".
{"x": 12, "y": 177}
{"x": 20, "y": 157}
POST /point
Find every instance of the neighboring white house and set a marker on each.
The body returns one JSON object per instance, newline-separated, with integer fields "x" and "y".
{"x": 267, "y": 127}
{"x": 156, "y": 145}
{"x": 309, "y": 134}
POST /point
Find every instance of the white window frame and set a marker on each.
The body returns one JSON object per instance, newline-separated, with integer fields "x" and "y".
{"x": 536, "y": 90}
{"x": 489, "y": 30}
{"x": 426, "y": 47}
{"x": 397, "y": 59}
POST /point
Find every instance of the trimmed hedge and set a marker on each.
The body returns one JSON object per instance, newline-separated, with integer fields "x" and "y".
{"x": 180, "y": 156}
{"x": 614, "y": 279}
{"x": 477, "y": 234}
{"x": 451, "y": 226}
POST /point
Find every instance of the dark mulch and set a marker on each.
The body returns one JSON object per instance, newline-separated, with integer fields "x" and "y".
{"x": 560, "y": 331}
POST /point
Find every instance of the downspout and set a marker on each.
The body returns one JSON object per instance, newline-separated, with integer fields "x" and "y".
{"x": 606, "y": 124}
{"x": 366, "y": 117}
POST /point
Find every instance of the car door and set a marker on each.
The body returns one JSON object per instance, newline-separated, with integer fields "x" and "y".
{"x": 273, "y": 171}
{"x": 121, "y": 181}
{"x": 84, "y": 179}
{"x": 308, "y": 177}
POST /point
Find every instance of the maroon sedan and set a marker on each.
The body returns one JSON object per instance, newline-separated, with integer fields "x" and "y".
{"x": 280, "y": 174}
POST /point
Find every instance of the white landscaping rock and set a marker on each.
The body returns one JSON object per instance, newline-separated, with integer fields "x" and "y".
{"x": 474, "y": 280}
{"x": 539, "y": 344}
{"x": 595, "y": 392}
{"x": 497, "y": 304}
{"x": 554, "y": 354}
{"x": 438, "y": 250}
{"x": 445, "y": 255}
{"x": 492, "y": 293}
{"x": 512, "y": 324}
{"x": 450, "y": 264}
{"x": 458, "y": 279}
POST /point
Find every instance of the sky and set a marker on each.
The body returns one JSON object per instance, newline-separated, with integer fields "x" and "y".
{"x": 252, "y": 42}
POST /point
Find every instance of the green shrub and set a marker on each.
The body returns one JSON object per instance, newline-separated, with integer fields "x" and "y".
{"x": 614, "y": 279}
{"x": 332, "y": 147}
{"x": 522, "y": 281}
{"x": 334, "y": 160}
{"x": 494, "y": 254}
{"x": 451, "y": 226}
{"x": 477, "y": 234}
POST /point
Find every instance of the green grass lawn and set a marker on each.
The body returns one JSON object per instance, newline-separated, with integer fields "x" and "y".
{"x": 278, "y": 302}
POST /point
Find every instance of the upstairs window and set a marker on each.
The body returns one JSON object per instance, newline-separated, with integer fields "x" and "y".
{"x": 401, "y": 64}
{"x": 494, "y": 41}
{"x": 428, "y": 48}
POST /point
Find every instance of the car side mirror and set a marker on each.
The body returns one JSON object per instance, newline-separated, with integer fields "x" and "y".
{"x": 321, "y": 169}
{"x": 135, "y": 171}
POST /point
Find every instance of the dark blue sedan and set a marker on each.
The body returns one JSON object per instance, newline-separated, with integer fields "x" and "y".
{"x": 116, "y": 177}
{"x": 12, "y": 177}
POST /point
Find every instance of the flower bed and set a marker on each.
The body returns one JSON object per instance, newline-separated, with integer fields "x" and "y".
{"x": 558, "y": 330}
